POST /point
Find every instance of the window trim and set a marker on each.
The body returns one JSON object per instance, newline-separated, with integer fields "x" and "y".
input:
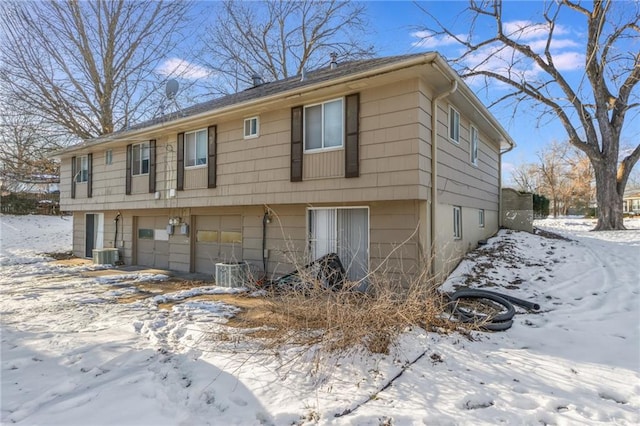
{"x": 244, "y": 127}
{"x": 457, "y": 222}
{"x": 133, "y": 157}
{"x": 79, "y": 175}
{"x": 454, "y": 132}
{"x": 304, "y": 126}
{"x": 474, "y": 145}
{"x": 206, "y": 154}
{"x": 481, "y": 218}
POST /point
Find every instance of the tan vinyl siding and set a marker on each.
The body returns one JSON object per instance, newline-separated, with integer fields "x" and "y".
{"x": 256, "y": 171}
{"x": 460, "y": 182}
{"x": 319, "y": 165}
{"x": 195, "y": 178}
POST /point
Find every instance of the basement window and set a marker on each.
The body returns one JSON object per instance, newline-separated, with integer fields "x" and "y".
{"x": 457, "y": 222}
{"x": 481, "y": 218}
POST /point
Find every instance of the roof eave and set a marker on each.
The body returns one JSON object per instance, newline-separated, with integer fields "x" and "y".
{"x": 131, "y": 134}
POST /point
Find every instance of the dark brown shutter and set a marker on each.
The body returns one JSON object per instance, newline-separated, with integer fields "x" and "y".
{"x": 213, "y": 150}
{"x": 73, "y": 177}
{"x": 152, "y": 165}
{"x": 127, "y": 180}
{"x": 180, "y": 174}
{"x": 89, "y": 175}
{"x": 351, "y": 130}
{"x": 296, "y": 144}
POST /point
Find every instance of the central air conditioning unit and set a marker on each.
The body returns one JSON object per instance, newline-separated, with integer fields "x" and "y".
{"x": 105, "y": 256}
{"x": 231, "y": 275}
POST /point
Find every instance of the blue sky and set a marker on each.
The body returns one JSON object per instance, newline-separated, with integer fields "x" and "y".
{"x": 394, "y": 24}
{"x": 395, "y": 27}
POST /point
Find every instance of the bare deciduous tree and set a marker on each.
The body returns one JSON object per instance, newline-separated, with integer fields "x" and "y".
{"x": 278, "y": 39}
{"x": 86, "y": 66}
{"x": 592, "y": 111}
{"x": 563, "y": 174}
{"x": 24, "y": 147}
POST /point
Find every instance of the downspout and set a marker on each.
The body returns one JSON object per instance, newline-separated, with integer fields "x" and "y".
{"x": 500, "y": 184}
{"x": 434, "y": 164}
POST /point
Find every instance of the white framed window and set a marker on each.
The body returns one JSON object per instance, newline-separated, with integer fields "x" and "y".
{"x": 251, "y": 127}
{"x": 344, "y": 231}
{"x": 82, "y": 167}
{"x": 324, "y": 125}
{"x": 454, "y": 125}
{"x": 473, "y": 146}
{"x": 140, "y": 159}
{"x": 195, "y": 148}
{"x": 108, "y": 157}
{"x": 457, "y": 222}
{"x": 481, "y": 218}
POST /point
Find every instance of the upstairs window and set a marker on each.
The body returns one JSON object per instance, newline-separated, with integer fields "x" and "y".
{"x": 108, "y": 157}
{"x": 251, "y": 127}
{"x": 324, "y": 125}
{"x": 473, "y": 147}
{"x": 82, "y": 167}
{"x": 454, "y": 125}
{"x": 195, "y": 148}
{"x": 140, "y": 159}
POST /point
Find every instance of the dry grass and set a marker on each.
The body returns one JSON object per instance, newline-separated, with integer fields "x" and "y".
{"x": 346, "y": 318}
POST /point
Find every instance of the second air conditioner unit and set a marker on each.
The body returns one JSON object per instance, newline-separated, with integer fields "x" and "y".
{"x": 231, "y": 275}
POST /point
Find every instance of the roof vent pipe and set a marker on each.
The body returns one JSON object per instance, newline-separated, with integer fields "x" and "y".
{"x": 303, "y": 74}
{"x": 334, "y": 61}
{"x": 257, "y": 80}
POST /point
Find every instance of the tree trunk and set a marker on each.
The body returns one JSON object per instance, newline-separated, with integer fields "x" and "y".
{"x": 608, "y": 198}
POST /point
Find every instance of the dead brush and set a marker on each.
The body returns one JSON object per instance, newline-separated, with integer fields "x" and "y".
{"x": 339, "y": 319}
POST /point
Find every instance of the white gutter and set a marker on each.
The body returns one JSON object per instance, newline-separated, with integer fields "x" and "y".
{"x": 434, "y": 165}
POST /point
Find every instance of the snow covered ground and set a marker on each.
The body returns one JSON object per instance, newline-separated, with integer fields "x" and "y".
{"x": 72, "y": 355}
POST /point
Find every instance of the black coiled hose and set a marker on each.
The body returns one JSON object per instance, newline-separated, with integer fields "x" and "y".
{"x": 499, "y": 322}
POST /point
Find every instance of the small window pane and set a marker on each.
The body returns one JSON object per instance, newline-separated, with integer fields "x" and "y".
{"x": 82, "y": 165}
{"x": 251, "y": 127}
{"x": 474, "y": 146}
{"x": 481, "y": 218}
{"x": 333, "y": 123}
{"x": 207, "y": 236}
{"x": 201, "y": 148}
{"x": 231, "y": 237}
{"x": 454, "y": 125}
{"x": 190, "y": 146}
{"x": 313, "y": 127}
{"x": 108, "y": 157}
{"x": 145, "y": 234}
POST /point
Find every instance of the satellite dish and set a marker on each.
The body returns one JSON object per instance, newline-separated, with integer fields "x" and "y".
{"x": 172, "y": 88}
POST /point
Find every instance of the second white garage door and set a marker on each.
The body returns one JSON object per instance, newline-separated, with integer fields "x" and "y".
{"x": 218, "y": 239}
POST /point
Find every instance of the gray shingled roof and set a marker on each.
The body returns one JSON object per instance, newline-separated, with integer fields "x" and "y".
{"x": 272, "y": 88}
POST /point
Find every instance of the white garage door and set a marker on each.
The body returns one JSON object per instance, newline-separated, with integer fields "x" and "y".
{"x": 152, "y": 242}
{"x": 218, "y": 239}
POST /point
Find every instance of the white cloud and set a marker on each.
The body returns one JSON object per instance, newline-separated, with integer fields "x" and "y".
{"x": 428, "y": 40}
{"x": 569, "y": 61}
{"x": 177, "y": 67}
{"x": 527, "y": 30}
{"x": 556, "y": 44}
